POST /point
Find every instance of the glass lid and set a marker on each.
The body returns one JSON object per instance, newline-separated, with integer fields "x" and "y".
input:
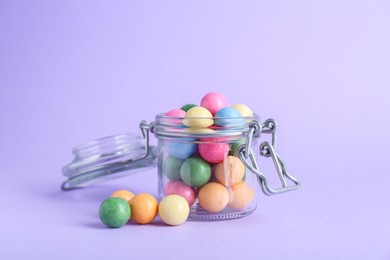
{"x": 108, "y": 157}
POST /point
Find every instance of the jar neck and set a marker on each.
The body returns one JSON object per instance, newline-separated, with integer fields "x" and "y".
{"x": 172, "y": 127}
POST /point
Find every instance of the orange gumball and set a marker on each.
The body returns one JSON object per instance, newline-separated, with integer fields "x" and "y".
{"x": 240, "y": 196}
{"x": 230, "y": 171}
{"x": 124, "y": 194}
{"x": 213, "y": 197}
{"x": 144, "y": 208}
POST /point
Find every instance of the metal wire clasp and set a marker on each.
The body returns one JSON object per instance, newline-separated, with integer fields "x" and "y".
{"x": 266, "y": 149}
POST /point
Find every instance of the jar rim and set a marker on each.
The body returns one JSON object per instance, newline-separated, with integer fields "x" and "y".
{"x": 173, "y": 127}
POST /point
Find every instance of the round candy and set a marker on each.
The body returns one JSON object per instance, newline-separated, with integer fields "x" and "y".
{"x": 114, "y": 212}
{"x": 198, "y": 117}
{"x": 144, "y": 208}
{"x": 212, "y": 151}
{"x": 182, "y": 189}
{"x": 230, "y": 171}
{"x": 213, "y": 101}
{"x": 228, "y": 116}
{"x": 173, "y": 210}
{"x": 187, "y": 107}
{"x": 176, "y": 113}
{"x": 124, "y": 194}
{"x": 171, "y": 168}
{"x": 195, "y": 172}
{"x": 240, "y": 196}
{"x": 182, "y": 150}
{"x": 213, "y": 197}
{"x": 234, "y": 146}
{"x": 243, "y": 109}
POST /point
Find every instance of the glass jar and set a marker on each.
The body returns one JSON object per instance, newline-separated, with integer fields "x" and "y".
{"x": 203, "y": 166}
{"x": 214, "y": 168}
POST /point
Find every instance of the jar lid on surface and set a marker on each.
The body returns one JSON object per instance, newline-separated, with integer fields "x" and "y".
{"x": 108, "y": 157}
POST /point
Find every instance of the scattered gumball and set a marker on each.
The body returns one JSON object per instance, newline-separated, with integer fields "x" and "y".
{"x": 212, "y": 150}
{"x": 124, "y": 194}
{"x": 173, "y": 210}
{"x": 228, "y": 117}
{"x": 230, "y": 171}
{"x": 171, "y": 168}
{"x": 195, "y": 172}
{"x": 182, "y": 189}
{"x": 114, "y": 212}
{"x": 213, "y": 102}
{"x": 198, "y": 117}
{"x": 213, "y": 197}
{"x": 240, "y": 196}
{"x": 182, "y": 150}
{"x": 244, "y": 110}
{"x": 187, "y": 107}
{"x": 143, "y": 208}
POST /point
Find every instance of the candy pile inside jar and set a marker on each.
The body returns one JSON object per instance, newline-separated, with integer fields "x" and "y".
{"x": 208, "y": 170}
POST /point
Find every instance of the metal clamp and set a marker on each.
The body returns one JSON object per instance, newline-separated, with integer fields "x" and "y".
{"x": 266, "y": 150}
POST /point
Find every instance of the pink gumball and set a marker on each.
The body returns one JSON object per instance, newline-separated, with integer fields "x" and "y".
{"x": 175, "y": 113}
{"x": 213, "y": 151}
{"x": 213, "y": 102}
{"x": 181, "y": 189}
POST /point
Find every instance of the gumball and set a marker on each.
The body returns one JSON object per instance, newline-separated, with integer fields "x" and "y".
{"x": 234, "y": 147}
{"x": 173, "y": 210}
{"x": 182, "y": 189}
{"x": 182, "y": 150}
{"x": 213, "y": 197}
{"x": 228, "y": 117}
{"x": 213, "y": 102}
{"x": 195, "y": 172}
{"x": 176, "y": 113}
{"x": 114, "y": 212}
{"x": 198, "y": 117}
{"x": 240, "y": 196}
{"x": 213, "y": 151}
{"x": 171, "y": 168}
{"x": 144, "y": 208}
{"x": 124, "y": 194}
{"x": 244, "y": 110}
{"x": 230, "y": 171}
{"x": 187, "y": 107}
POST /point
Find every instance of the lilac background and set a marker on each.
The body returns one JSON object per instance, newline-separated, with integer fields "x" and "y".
{"x": 71, "y": 71}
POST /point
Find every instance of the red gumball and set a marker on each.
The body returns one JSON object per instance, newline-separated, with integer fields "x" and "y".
{"x": 213, "y": 151}
{"x": 181, "y": 189}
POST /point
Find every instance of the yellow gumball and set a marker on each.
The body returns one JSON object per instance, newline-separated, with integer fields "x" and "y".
{"x": 198, "y": 117}
{"x": 243, "y": 109}
{"x": 173, "y": 210}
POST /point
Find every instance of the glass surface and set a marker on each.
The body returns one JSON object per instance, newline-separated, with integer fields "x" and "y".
{"x": 202, "y": 165}
{"x": 107, "y": 158}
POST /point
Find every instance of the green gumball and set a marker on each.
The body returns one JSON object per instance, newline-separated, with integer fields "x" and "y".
{"x": 171, "y": 168}
{"x": 195, "y": 172}
{"x": 114, "y": 212}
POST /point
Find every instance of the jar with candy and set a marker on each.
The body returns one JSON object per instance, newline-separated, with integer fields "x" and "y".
{"x": 206, "y": 153}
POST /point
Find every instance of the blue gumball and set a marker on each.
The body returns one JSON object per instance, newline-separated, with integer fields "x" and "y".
{"x": 229, "y": 117}
{"x": 182, "y": 150}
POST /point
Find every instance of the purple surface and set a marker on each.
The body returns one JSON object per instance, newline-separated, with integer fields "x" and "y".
{"x": 72, "y": 71}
